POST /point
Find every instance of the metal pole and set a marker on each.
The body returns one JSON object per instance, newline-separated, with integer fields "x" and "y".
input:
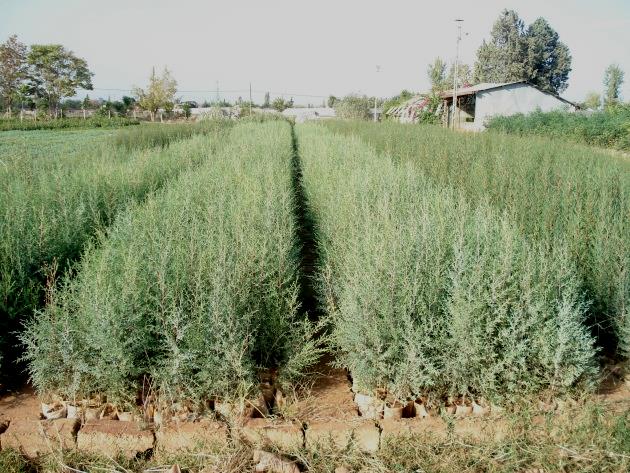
{"x": 459, "y": 38}
{"x": 250, "y": 98}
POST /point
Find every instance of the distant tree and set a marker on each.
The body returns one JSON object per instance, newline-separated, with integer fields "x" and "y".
{"x": 354, "y": 107}
{"x": 613, "y": 80}
{"x": 517, "y": 53}
{"x": 437, "y": 75}
{"x": 13, "y": 70}
{"x": 279, "y": 104}
{"x": 267, "y": 102}
{"x": 56, "y": 73}
{"x": 331, "y": 101}
{"x": 160, "y": 93}
{"x": 503, "y": 57}
{"x": 548, "y": 59}
{"x": 464, "y": 76}
{"x": 592, "y": 101}
{"x": 128, "y": 102}
{"x": 291, "y": 103}
{"x": 186, "y": 108}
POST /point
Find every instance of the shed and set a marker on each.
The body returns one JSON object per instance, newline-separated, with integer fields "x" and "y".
{"x": 476, "y": 104}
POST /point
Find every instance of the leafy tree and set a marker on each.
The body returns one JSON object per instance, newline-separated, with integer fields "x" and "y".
{"x": 331, "y": 101}
{"x": 517, "y": 53}
{"x": 613, "y": 79}
{"x": 548, "y": 59}
{"x": 279, "y": 104}
{"x": 186, "y": 108}
{"x": 57, "y": 73}
{"x": 354, "y": 107}
{"x": 160, "y": 93}
{"x": 437, "y": 75}
{"x": 13, "y": 69}
{"x": 502, "y": 59}
{"x": 464, "y": 76}
{"x": 592, "y": 101}
{"x": 267, "y": 102}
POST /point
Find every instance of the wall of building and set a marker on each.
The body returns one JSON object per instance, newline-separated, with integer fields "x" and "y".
{"x": 513, "y": 99}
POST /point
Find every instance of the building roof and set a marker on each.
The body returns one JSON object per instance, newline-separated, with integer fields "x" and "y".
{"x": 483, "y": 86}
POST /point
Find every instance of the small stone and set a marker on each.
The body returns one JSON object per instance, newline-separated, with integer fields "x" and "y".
{"x": 342, "y": 469}
{"x": 262, "y": 431}
{"x": 271, "y": 463}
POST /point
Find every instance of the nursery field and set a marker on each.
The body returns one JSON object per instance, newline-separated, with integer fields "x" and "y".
{"x": 61, "y": 189}
{"x": 378, "y": 296}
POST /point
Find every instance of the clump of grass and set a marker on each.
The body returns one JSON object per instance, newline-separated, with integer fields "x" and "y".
{"x": 195, "y": 289}
{"x": 430, "y": 295}
{"x": 56, "y": 198}
{"x": 558, "y": 195}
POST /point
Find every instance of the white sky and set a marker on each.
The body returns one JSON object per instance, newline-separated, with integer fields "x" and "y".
{"x": 319, "y": 47}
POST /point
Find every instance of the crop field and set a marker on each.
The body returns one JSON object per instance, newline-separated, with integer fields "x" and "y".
{"x": 59, "y": 192}
{"x": 218, "y": 271}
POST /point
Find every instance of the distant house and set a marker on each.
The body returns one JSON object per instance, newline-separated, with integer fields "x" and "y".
{"x": 476, "y": 104}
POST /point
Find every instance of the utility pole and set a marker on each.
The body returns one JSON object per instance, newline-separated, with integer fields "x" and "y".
{"x": 378, "y": 69}
{"x": 217, "y": 97}
{"x": 459, "y": 38}
{"x": 250, "y": 99}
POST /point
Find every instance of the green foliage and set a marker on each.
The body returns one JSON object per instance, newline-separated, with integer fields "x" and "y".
{"x": 437, "y": 75}
{"x": 515, "y": 52}
{"x": 61, "y": 190}
{"x": 160, "y": 93}
{"x": 65, "y": 123}
{"x": 428, "y": 294}
{"x": 195, "y": 288}
{"x": 613, "y": 80}
{"x": 150, "y": 135}
{"x": 592, "y": 101}
{"x": 609, "y": 128}
{"x": 279, "y": 104}
{"x": 354, "y": 107}
{"x": 558, "y": 195}
{"x": 56, "y": 73}
{"x": 13, "y": 70}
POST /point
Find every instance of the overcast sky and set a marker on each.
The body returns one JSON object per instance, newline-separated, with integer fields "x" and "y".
{"x": 318, "y": 47}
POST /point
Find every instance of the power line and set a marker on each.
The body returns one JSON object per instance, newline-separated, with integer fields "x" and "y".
{"x": 201, "y": 91}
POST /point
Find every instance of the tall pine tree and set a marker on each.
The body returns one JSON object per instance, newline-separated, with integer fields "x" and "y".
{"x": 515, "y": 52}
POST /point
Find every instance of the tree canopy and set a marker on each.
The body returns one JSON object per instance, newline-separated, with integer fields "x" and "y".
{"x": 160, "y": 93}
{"x": 613, "y": 80}
{"x": 56, "y": 73}
{"x": 13, "y": 69}
{"x": 516, "y": 52}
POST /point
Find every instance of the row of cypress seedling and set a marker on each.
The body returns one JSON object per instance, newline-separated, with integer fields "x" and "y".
{"x": 558, "y": 195}
{"x": 62, "y": 188}
{"x": 429, "y": 295}
{"x": 191, "y": 293}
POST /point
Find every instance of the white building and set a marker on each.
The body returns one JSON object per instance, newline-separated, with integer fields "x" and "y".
{"x": 476, "y": 104}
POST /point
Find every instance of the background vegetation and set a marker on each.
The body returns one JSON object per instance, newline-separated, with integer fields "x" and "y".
{"x": 559, "y": 195}
{"x": 609, "y": 128}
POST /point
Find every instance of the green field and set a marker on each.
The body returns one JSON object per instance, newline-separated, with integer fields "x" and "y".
{"x": 181, "y": 260}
